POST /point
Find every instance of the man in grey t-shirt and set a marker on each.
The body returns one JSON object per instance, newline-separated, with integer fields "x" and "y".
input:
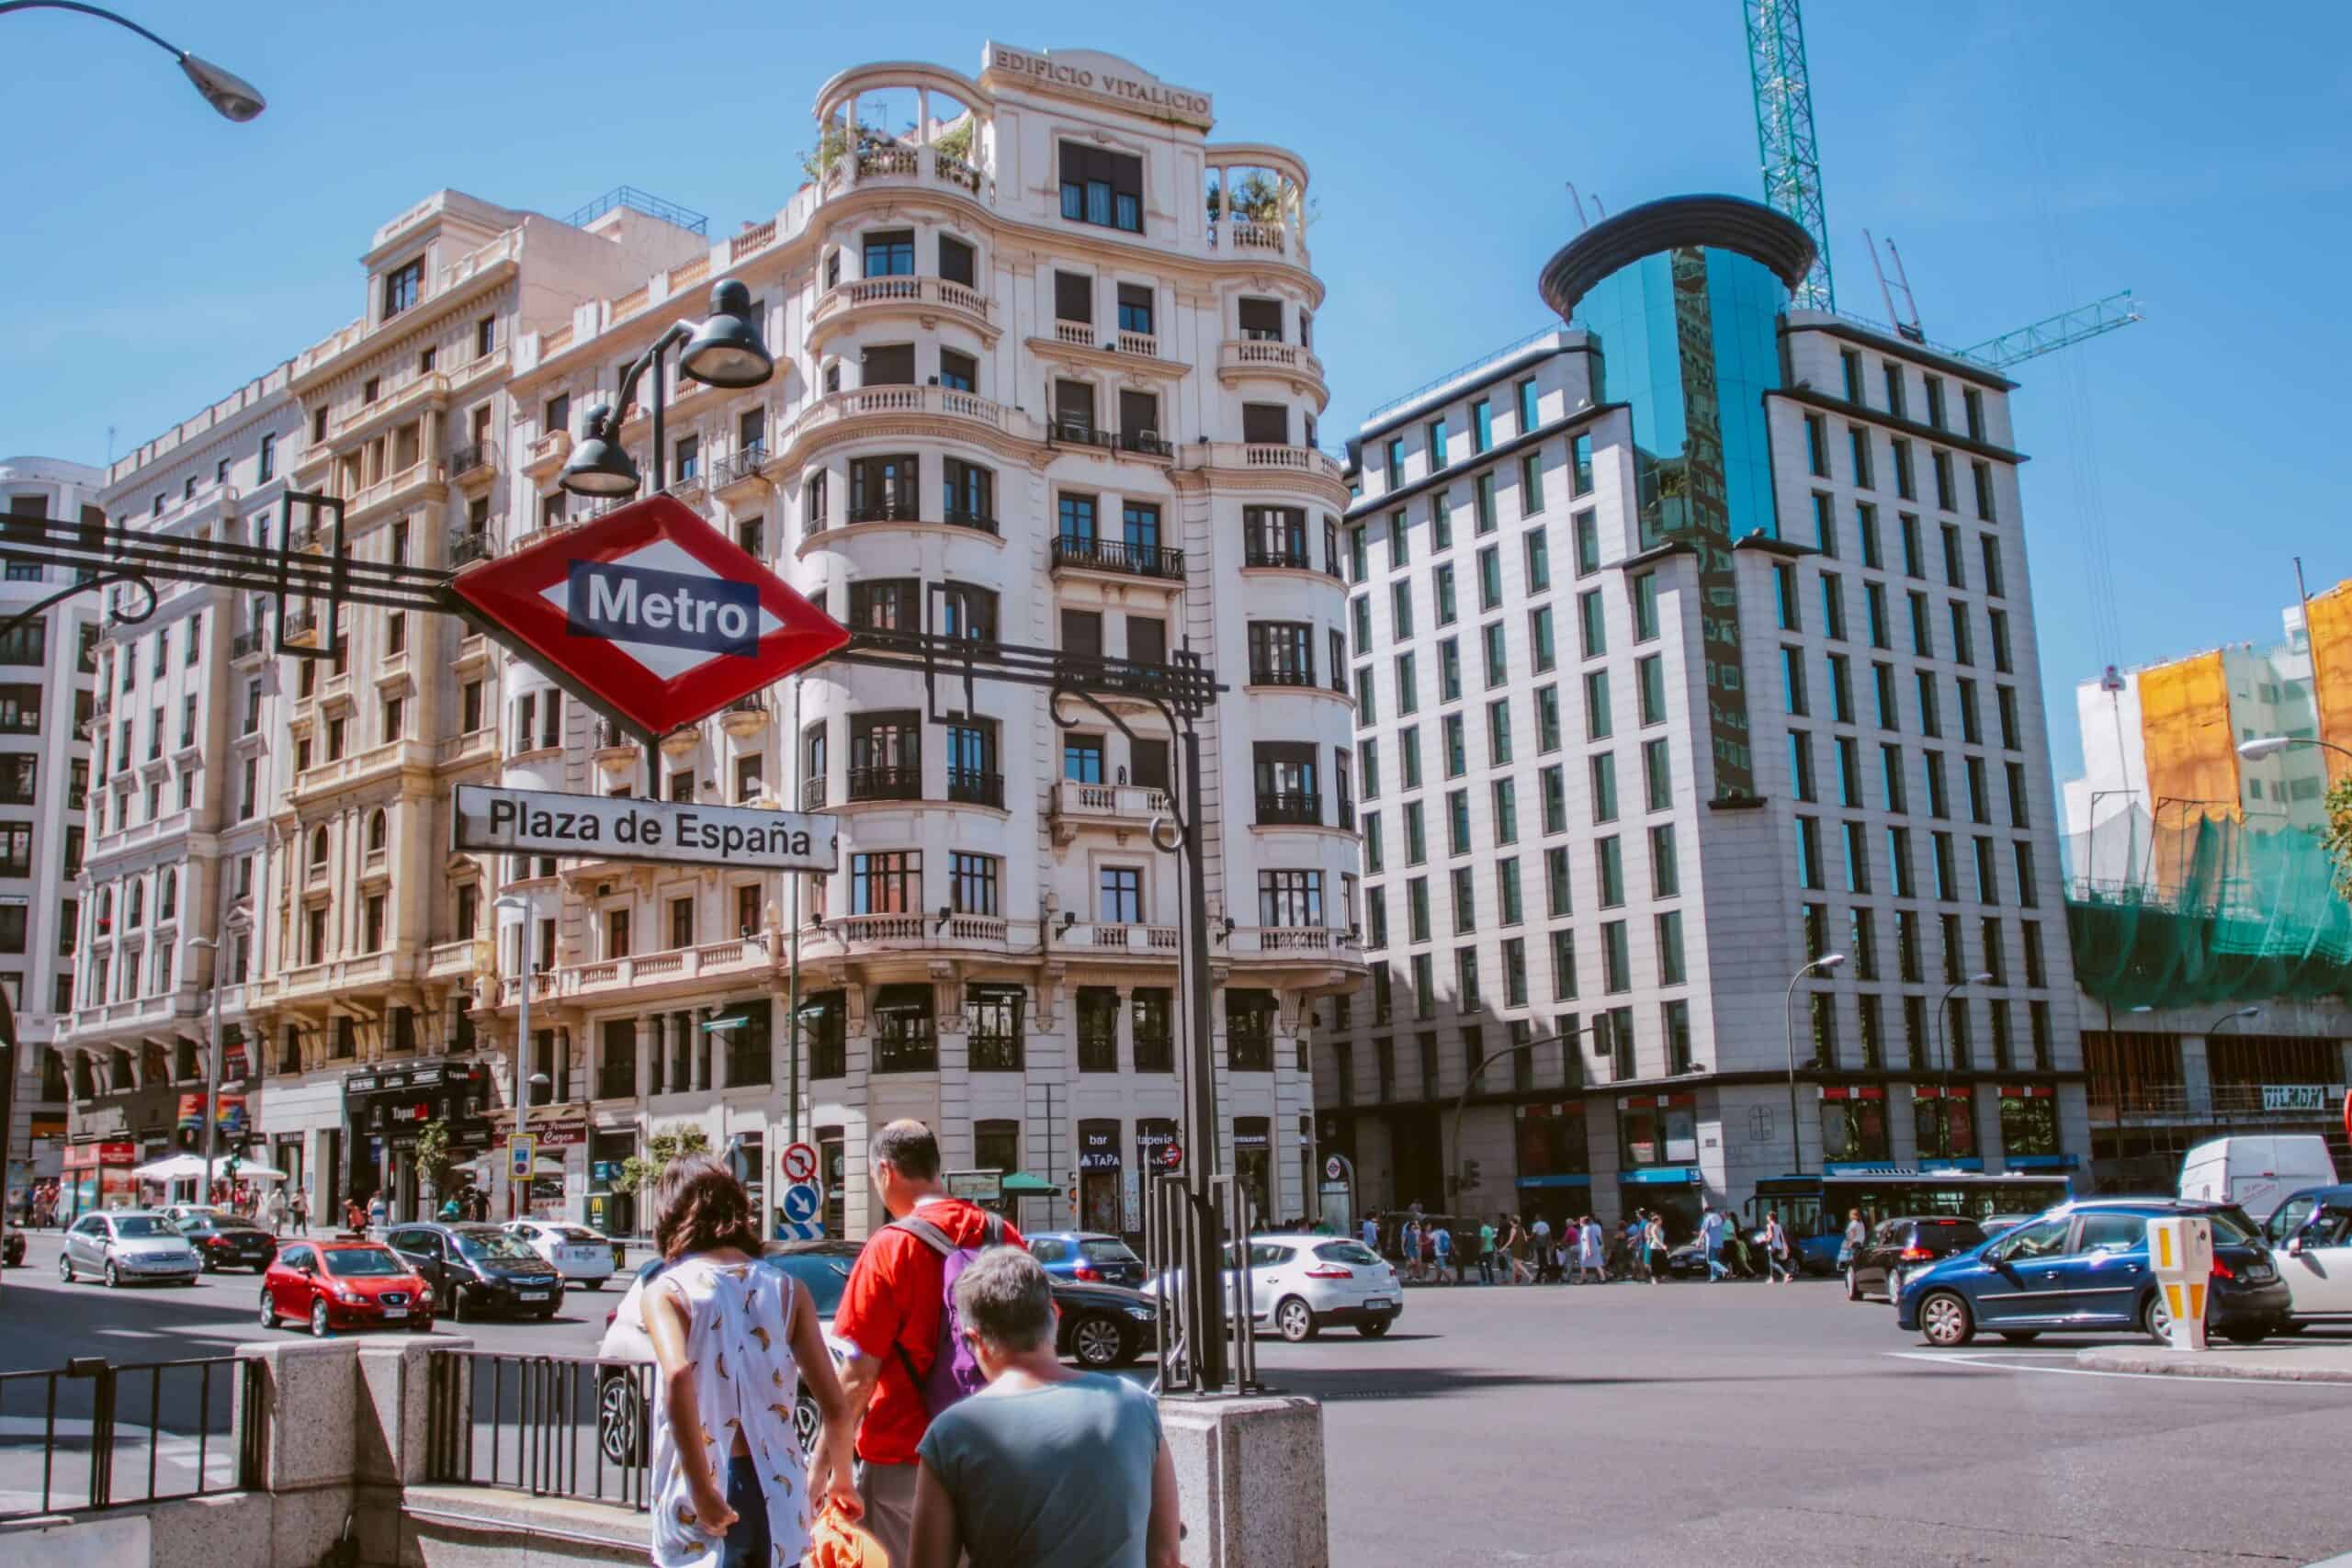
{"x": 1045, "y": 1466}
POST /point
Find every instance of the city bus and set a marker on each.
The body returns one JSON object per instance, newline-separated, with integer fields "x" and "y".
{"x": 1813, "y": 1209}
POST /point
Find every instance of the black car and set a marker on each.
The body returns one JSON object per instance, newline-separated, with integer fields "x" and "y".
{"x": 478, "y": 1269}
{"x": 1103, "y": 1327}
{"x": 1904, "y": 1246}
{"x": 228, "y": 1241}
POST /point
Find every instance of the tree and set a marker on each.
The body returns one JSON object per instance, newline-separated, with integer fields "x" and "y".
{"x": 437, "y": 1162}
{"x": 641, "y": 1171}
{"x": 2337, "y": 839}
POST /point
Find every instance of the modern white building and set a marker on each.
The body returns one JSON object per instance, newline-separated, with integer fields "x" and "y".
{"x": 46, "y": 670}
{"x": 1693, "y": 644}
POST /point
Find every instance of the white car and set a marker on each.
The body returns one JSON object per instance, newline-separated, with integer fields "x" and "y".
{"x": 1302, "y": 1284}
{"x": 579, "y": 1253}
{"x": 2310, "y": 1238}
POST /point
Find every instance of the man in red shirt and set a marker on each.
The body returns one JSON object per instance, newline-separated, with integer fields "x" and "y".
{"x": 890, "y": 1311}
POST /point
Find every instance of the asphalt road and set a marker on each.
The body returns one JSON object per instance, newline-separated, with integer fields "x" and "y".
{"x": 1685, "y": 1423}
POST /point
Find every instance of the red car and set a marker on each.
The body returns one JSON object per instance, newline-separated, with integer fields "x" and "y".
{"x": 345, "y": 1284}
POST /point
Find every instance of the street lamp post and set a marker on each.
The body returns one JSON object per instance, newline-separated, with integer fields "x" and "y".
{"x": 231, "y": 95}
{"x": 1822, "y": 964}
{"x": 1472, "y": 1082}
{"x": 514, "y": 904}
{"x": 1943, "y": 1050}
{"x": 211, "y": 1063}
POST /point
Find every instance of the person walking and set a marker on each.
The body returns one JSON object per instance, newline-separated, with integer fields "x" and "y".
{"x": 1522, "y": 1271}
{"x": 1486, "y": 1252}
{"x": 1442, "y": 1252}
{"x": 1589, "y": 1269}
{"x": 911, "y": 1363}
{"x": 451, "y": 1209}
{"x": 1410, "y": 1237}
{"x": 277, "y": 1212}
{"x": 733, "y": 1343}
{"x": 1850, "y": 1245}
{"x": 299, "y": 1214}
{"x": 1654, "y": 1247}
{"x": 1776, "y": 1251}
{"x": 1540, "y": 1240}
{"x": 377, "y": 1211}
{"x": 1046, "y": 1467}
{"x": 1711, "y": 1240}
{"x": 1371, "y": 1229}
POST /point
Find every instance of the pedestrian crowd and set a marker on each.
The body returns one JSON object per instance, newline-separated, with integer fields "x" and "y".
{"x": 1509, "y": 1249}
{"x": 952, "y": 1435}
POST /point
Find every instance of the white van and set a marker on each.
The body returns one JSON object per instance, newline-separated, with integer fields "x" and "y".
{"x": 2258, "y": 1173}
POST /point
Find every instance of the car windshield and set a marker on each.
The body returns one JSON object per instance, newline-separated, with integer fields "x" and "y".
{"x": 573, "y": 1234}
{"x": 1108, "y": 1251}
{"x": 1346, "y": 1252}
{"x": 825, "y": 1275}
{"x": 145, "y": 1225}
{"x": 494, "y": 1247}
{"x": 2232, "y": 1227}
{"x": 361, "y": 1262}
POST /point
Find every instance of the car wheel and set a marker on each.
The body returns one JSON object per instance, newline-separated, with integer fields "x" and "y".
{"x": 114, "y": 1279}
{"x": 2155, "y": 1318}
{"x": 320, "y": 1327}
{"x": 620, "y": 1420}
{"x": 544, "y": 1314}
{"x": 806, "y": 1423}
{"x": 65, "y": 1275}
{"x": 1853, "y": 1283}
{"x": 1098, "y": 1343}
{"x": 1895, "y": 1284}
{"x": 1294, "y": 1320}
{"x": 2021, "y": 1336}
{"x": 268, "y": 1311}
{"x": 204, "y": 1262}
{"x": 1945, "y": 1321}
{"x": 1373, "y": 1327}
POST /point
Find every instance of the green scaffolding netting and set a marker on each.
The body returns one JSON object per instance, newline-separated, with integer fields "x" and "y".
{"x": 2205, "y": 910}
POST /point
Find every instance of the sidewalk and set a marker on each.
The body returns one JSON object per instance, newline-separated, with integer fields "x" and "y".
{"x": 2283, "y": 1360}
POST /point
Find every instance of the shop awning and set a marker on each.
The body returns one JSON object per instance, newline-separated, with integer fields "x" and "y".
{"x": 190, "y": 1168}
{"x": 1020, "y": 1183}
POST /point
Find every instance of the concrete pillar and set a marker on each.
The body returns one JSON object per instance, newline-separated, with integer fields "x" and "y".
{"x": 1250, "y": 1476}
{"x": 2196, "y": 1076}
{"x": 645, "y": 1053}
{"x": 1124, "y": 1026}
{"x": 715, "y": 1054}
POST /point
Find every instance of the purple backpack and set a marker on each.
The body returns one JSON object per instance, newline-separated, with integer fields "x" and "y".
{"x": 955, "y": 1371}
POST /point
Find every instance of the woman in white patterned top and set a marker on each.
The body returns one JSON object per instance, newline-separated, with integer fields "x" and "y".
{"x": 734, "y": 1341}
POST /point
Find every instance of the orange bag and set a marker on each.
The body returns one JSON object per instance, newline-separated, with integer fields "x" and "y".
{"x": 836, "y": 1541}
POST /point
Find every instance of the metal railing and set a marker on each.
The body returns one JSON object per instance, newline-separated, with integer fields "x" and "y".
{"x": 550, "y": 1425}
{"x": 886, "y": 783}
{"x": 1290, "y": 808}
{"x": 1172, "y": 1214}
{"x": 743, "y": 463}
{"x": 973, "y": 787}
{"x": 98, "y": 1435}
{"x": 467, "y": 544}
{"x": 1117, "y": 554}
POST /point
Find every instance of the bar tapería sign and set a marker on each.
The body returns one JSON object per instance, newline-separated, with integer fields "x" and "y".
{"x": 588, "y": 827}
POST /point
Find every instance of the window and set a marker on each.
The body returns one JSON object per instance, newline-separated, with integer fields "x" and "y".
{"x": 1603, "y": 770}
{"x": 1609, "y": 864}
{"x": 1588, "y": 542}
{"x": 1809, "y": 853}
{"x": 1902, "y": 477}
{"x": 1547, "y": 717}
{"x": 972, "y": 883}
{"x": 1597, "y": 724}
{"x": 1858, "y": 445}
{"x": 401, "y": 287}
{"x": 1816, "y": 445}
{"x": 1556, "y": 801}
{"x": 1482, "y": 496}
{"x": 1100, "y": 187}
{"x": 1657, "y": 778}
{"x": 1465, "y": 900}
{"x": 1665, "y": 878}
{"x": 1282, "y": 653}
{"x": 1491, "y": 579}
{"x": 1530, "y": 485}
{"x": 1498, "y": 732}
{"x": 1539, "y": 635}
{"x": 1557, "y": 895}
{"x": 1580, "y": 465}
{"x": 886, "y": 882}
{"x": 1982, "y": 473}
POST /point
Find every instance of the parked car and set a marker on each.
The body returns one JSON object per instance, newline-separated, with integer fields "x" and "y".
{"x": 2311, "y": 1240}
{"x": 2083, "y": 1266}
{"x": 1092, "y": 1256}
{"x": 2256, "y": 1173}
{"x": 1995, "y": 1224}
{"x": 1901, "y": 1244}
{"x": 223, "y": 1240}
{"x": 580, "y": 1255}
{"x": 1301, "y": 1284}
{"x": 128, "y": 1247}
{"x": 332, "y": 1284}
{"x": 475, "y": 1268}
{"x": 12, "y": 1250}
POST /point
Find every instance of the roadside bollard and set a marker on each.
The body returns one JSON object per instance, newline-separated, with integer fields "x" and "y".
{"x": 2182, "y": 1251}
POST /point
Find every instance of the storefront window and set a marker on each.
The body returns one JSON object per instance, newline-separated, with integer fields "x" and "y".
{"x": 1551, "y": 1140}
{"x": 1944, "y": 1124}
{"x": 1853, "y": 1126}
{"x": 1658, "y": 1130}
{"x": 2028, "y": 1122}
{"x": 1100, "y": 1178}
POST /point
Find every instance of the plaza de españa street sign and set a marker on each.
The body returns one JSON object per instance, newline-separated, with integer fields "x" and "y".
{"x": 651, "y": 612}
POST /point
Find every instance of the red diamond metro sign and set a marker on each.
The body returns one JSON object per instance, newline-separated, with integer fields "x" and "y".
{"x": 651, "y": 612}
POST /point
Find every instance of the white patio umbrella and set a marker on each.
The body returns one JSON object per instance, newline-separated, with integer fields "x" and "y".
{"x": 190, "y": 1168}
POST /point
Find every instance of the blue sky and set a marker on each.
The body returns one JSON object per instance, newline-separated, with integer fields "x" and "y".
{"x": 2026, "y": 157}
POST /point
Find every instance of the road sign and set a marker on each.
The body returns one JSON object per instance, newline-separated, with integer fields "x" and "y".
{"x": 596, "y": 826}
{"x": 801, "y": 1202}
{"x": 799, "y": 1162}
{"x": 652, "y": 613}
{"x": 1333, "y": 1171}
{"x": 521, "y": 1154}
{"x": 800, "y": 1230}
{"x": 1172, "y": 1156}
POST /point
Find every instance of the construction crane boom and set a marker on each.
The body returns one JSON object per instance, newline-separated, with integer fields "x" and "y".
{"x": 2054, "y": 332}
{"x": 1785, "y": 139}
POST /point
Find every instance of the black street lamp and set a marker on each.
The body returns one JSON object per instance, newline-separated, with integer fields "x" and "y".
{"x": 230, "y": 93}
{"x": 1821, "y": 965}
{"x": 725, "y": 350}
{"x": 1943, "y": 1042}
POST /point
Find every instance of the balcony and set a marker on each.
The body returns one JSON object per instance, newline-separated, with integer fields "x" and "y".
{"x": 450, "y": 959}
{"x": 1291, "y": 554}
{"x": 1138, "y": 940}
{"x": 1282, "y": 675}
{"x": 1271, "y": 942}
{"x": 970, "y": 787}
{"x": 1290, "y": 808}
{"x": 246, "y": 645}
{"x": 1307, "y": 463}
{"x": 918, "y": 932}
{"x": 430, "y": 389}
{"x": 1241, "y": 234}
{"x": 975, "y": 520}
{"x": 1082, "y": 554}
{"x": 745, "y": 716}
{"x": 847, "y": 302}
{"x": 417, "y": 482}
{"x": 473, "y": 465}
{"x": 886, "y": 783}
{"x": 1241, "y": 359}
{"x": 544, "y": 459}
{"x": 887, "y": 509}
{"x": 956, "y": 409}
{"x": 467, "y": 545}
{"x": 812, "y": 792}
{"x": 466, "y": 751}
{"x": 1121, "y": 808}
{"x": 738, "y": 471}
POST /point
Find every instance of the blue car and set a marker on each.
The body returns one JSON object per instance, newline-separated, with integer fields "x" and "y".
{"x": 1093, "y": 1258}
{"x": 2084, "y": 1266}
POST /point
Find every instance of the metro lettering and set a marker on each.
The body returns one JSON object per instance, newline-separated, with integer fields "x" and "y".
{"x": 617, "y": 602}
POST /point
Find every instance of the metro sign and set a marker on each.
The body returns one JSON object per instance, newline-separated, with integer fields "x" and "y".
{"x": 650, "y": 613}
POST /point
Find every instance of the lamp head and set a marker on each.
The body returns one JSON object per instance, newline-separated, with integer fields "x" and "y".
{"x": 2248, "y": 1012}
{"x": 1985, "y": 979}
{"x": 1829, "y": 960}
{"x": 726, "y": 350}
{"x": 2266, "y": 746}
{"x": 230, "y": 93}
{"x": 598, "y": 466}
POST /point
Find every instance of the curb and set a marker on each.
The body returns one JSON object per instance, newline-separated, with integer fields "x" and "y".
{"x": 2195, "y": 1365}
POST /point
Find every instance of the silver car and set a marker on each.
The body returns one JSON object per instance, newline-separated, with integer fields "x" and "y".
{"x": 128, "y": 1247}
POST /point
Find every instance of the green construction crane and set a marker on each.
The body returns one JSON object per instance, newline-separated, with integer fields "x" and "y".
{"x": 2056, "y": 332}
{"x": 1784, "y": 134}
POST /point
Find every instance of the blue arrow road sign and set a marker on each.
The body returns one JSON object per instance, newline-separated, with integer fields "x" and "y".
{"x": 800, "y": 1230}
{"x": 801, "y": 1202}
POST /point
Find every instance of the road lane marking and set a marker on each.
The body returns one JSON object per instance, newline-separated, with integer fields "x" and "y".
{"x": 1979, "y": 1362}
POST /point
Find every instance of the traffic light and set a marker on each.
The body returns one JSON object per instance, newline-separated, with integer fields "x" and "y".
{"x": 230, "y": 1167}
{"x": 1469, "y": 1174}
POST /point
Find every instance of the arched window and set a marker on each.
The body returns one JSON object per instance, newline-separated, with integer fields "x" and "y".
{"x": 376, "y": 833}
{"x": 318, "y": 847}
{"x": 135, "y": 912}
{"x": 167, "y": 894}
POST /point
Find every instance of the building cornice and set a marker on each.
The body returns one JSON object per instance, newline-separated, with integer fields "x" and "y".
{"x": 1869, "y": 415}
{"x": 1371, "y": 505}
{"x": 1898, "y": 348}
